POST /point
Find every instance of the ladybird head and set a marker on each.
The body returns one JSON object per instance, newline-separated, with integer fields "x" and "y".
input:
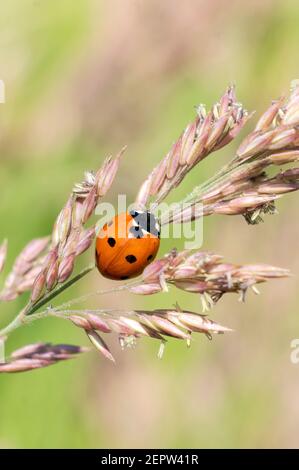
{"x": 144, "y": 223}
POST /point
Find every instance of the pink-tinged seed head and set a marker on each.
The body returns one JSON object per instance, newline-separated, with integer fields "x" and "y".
{"x": 109, "y": 171}
{"x": 291, "y": 116}
{"x": 98, "y": 323}
{"x": 217, "y": 132}
{"x": 283, "y": 138}
{"x": 277, "y": 188}
{"x": 22, "y": 365}
{"x": 89, "y": 205}
{"x": 100, "y": 344}
{"x": 284, "y": 157}
{"x": 81, "y": 322}
{"x": 267, "y": 118}
{"x": 225, "y": 102}
{"x": 188, "y": 139}
{"x": 264, "y": 270}
{"x": 134, "y": 325}
{"x": 25, "y": 285}
{"x": 159, "y": 175}
{"x": 71, "y": 243}
{"x": 153, "y": 270}
{"x": 167, "y": 327}
{"x": 34, "y": 249}
{"x": 199, "y": 323}
{"x": 144, "y": 192}
{"x": 146, "y": 289}
{"x": 63, "y": 222}
{"x": 38, "y": 287}
{"x": 66, "y": 267}
{"x": 85, "y": 240}
{"x": 27, "y": 350}
{"x": 197, "y": 151}
{"x": 119, "y": 327}
{"x": 291, "y": 174}
{"x": 185, "y": 271}
{"x": 254, "y": 144}
{"x": 192, "y": 285}
{"x": 245, "y": 202}
{"x": 226, "y": 209}
{"x": 35, "y": 356}
{"x": 174, "y": 159}
{"x": 77, "y": 212}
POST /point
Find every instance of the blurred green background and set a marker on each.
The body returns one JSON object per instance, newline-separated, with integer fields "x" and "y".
{"x": 82, "y": 79}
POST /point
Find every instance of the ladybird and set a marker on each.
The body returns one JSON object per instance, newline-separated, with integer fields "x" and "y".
{"x": 127, "y": 244}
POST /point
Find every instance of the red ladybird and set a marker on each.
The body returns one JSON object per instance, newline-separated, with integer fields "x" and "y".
{"x": 127, "y": 244}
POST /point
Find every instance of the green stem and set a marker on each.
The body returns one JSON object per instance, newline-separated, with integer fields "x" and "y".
{"x": 22, "y": 320}
{"x": 24, "y": 316}
{"x": 220, "y": 177}
{"x": 16, "y": 323}
{"x": 28, "y": 315}
{"x": 93, "y": 294}
{"x": 58, "y": 290}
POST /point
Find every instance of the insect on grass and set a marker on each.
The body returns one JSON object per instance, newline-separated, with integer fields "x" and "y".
{"x": 244, "y": 187}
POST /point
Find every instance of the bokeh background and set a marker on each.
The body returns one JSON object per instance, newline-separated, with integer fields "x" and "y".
{"x": 82, "y": 79}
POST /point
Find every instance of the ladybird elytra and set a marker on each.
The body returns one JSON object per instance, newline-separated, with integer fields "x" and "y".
{"x": 127, "y": 244}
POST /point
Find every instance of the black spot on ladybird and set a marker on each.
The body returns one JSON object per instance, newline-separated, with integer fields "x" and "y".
{"x": 111, "y": 241}
{"x": 131, "y": 259}
{"x": 123, "y": 278}
{"x": 149, "y": 257}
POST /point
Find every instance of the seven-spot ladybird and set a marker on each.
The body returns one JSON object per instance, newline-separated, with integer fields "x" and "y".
{"x": 127, "y": 244}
